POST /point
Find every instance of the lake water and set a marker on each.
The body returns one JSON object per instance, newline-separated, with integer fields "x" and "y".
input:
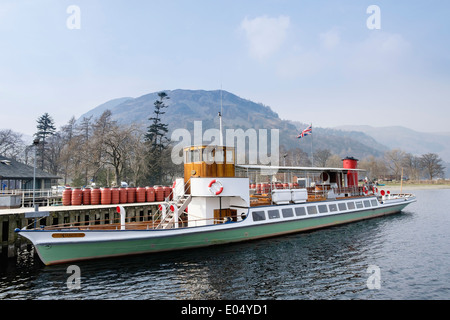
{"x": 403, "y": 256}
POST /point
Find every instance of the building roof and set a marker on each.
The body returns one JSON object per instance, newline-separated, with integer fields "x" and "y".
{"x": 12, "y": 169}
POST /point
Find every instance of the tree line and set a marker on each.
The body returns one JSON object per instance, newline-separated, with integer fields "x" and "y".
{"x": 390, "y": 166}
{"x": 99, "y": 150}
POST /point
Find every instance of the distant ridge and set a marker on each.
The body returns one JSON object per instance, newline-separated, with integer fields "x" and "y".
{"x": 408, "y": 140}
{"x": 187, "y": 106}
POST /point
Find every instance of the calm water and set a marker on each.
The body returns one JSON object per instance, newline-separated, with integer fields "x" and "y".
{"x": 411, "y": 251}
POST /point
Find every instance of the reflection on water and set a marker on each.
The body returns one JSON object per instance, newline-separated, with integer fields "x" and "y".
{"x": 326, "y": 264}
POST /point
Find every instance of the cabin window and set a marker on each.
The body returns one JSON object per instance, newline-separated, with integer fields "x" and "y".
{"x": 287, "y": 213}
{"x": 196, "y": 155}
{"x": 258, "y": 216}
{"x": 374, "y": 202}
{"x": 367, "y": 203}
{"x": 230, "y": 156}
{"x": 312, "y": 210}
{"x": 333, "y": 207}
{"x": 208, "y": 155}
{"x": 218, "y": 157}
{"x": 273, "y": 214}
{"x": 351, "y": 205}
{"x": 359, "y": 204}
{"x": 342, "y": 206}
{"x": 187, "y": 156}
{"x": 323, "y": 208}
{"x": 300, "y": 211}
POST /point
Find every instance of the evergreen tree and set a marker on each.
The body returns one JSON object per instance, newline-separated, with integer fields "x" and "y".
{"x": 45, "y": 129}
{"x": 156, "y": 138}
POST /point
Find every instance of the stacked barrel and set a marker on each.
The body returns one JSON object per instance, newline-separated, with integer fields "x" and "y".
{"x": 97, "y": 196}
{"x": 261, "y": 188}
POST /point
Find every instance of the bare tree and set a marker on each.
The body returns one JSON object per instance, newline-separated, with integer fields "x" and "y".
{"x": 11, "y": 144}
{"x": 321, "y": 157}
{"x": 394, "y": 161}
{"x": 412, "y": 166}
{"x": 432, "y": 165}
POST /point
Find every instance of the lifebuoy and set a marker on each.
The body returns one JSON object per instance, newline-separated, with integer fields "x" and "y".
{"x": 214, "y": 190}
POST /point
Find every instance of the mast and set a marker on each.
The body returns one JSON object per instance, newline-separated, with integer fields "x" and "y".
{"x": 220, "y": 119}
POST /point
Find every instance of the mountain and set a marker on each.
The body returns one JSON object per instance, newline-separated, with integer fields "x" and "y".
{"x": 187, "y": 106}
{"x": 411, "y": 141}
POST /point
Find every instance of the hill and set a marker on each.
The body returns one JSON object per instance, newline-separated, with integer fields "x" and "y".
{"x": 187, "y": 106}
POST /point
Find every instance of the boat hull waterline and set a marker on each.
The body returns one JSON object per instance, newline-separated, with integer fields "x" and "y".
{"x": 66, "y": 246}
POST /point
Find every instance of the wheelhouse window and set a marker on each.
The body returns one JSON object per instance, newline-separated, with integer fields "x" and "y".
{"x": 300, "y": 211}
{"x": 323, "y": 208}
{"x": 229, "y": 155}
{"x": 258, "y": 215}
{"x": 287, "y": 212}
{"x": 359, "y": 204}
{"x": 374, "y": 202}
{"x": 273, "y": 214}
{"x": 367, "y": 203}
{"x": 342, "y": 206}
{"x": 351, "y": 205}
{"x": 312, "y": 210}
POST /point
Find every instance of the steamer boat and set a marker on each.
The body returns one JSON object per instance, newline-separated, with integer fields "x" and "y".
{"x": 219, "y": 202}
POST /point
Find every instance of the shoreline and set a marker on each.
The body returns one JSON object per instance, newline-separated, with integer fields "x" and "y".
{"x": 397, "y": 187}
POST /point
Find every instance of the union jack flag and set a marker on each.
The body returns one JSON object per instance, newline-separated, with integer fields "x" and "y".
{"x": 305, "y": 132}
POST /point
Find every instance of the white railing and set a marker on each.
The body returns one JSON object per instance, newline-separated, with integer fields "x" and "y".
{"x": 41, "y": 196}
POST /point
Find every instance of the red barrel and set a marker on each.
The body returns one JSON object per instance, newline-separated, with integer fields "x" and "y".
{"x": 285, "y": 185}
{"x": 265, "y": 188}
{"x": 168, "y": 192}
{"x": 106, "y": 196}
{"x": 258, "y": 188}
{"x": 115, "y": 195}
{"x": 159, "y": 192}
{"x": 140, "y": 194}
{"x": 131, "y": 195}
{"x": 123, "y": 198}
{"x": 86, "y": 196}
{"x": 150, "y": 194}
{"x": 95, "y": 196}
{"x": 77, "y": 197}
{"x": 67, "y": 197}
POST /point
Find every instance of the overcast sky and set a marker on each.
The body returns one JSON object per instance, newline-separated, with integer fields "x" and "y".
{"x": 328, "y": 63}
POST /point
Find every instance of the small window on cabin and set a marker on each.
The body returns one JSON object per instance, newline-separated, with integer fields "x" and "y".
{"x": 208, "y": 155}
{"x": 196, "y": 155}
{"x": 323, "y": 208}
{"x": 258, "y": 216}
{"x": 359, "y": 204}
{"x": 332, "y": 207}
{"x": 230, "y": 156}
{"x": 287, "y": 212}
{"x": 187, "y": 156}
{"x": 351, "y": 205}
{"x": 273, "y": 214}
{"x": 219, "y": 155}
{"x": 342, "y": 206}
{"x": 367, "y": 203}
{"x": 312, "y": 210}
{"x": 374, "y": 202}
{"x": 300, "y": 211}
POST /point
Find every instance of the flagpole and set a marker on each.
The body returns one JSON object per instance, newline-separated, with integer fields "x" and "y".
{"x": 312, "y": 153}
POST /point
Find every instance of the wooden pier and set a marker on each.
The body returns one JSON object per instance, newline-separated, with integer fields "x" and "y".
{"x": 10, "y": 219}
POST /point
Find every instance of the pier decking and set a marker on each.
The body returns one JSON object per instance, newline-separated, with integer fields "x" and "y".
{"x": 10, "y": 219}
